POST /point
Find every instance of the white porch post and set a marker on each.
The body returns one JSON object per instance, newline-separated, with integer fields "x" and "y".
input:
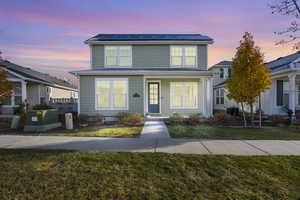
{"x": 292, "y": 92}
{"x": 209, "y": 101}
{"x": 24, "y": 90}
{"x": 204, "y": 94}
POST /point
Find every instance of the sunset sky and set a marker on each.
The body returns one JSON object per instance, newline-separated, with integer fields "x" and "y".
{"x": 48, "y": 35}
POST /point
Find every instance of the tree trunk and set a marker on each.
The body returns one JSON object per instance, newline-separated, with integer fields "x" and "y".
{"x": 259, "y": 101}
{"x": 244, "y": 116}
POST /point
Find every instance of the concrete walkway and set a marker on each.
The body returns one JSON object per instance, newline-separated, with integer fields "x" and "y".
{"x": 154, "y": 138}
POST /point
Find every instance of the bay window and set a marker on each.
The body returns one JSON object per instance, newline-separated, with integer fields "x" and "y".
{"x": 111, "y": 93}
{"x": 184, "y": 95}
{"x": 118, "y": 56}
{"x": 219, "y": 96}
{"x": 183, "y": 56}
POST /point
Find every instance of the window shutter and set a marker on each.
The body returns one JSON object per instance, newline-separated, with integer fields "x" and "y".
{"x": 279, "y": 92}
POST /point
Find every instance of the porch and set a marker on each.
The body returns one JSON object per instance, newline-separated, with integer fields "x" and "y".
{"x": 284, "y": 94}
{"x": 165, "y": 95}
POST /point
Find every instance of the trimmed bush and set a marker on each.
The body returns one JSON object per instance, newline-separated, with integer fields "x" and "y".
{"x": 83, "y": 119}
{"x": 195, "y": 118}
{"x": 234, "y": 111}
{"x": 175, "y": 119}
{"x": 222, "y": 117}
{"x": 133, "y": 120}
{"x": 278, "y": 119}
{"x": 122, "y": 115}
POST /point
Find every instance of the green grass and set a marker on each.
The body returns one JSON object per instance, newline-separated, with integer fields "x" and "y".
{"x": 235, "y": 133}
{"x": 106, "y": 131}
{"x": 28, "y": 174}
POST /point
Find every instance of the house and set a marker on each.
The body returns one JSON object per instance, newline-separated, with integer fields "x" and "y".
{"x": 285, "y": 87}
{"x": 222, "y": 72}
{"x": 155, "y": 74}
{"x": 33, "y": 87}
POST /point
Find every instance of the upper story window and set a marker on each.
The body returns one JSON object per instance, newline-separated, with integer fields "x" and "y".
{"x": 183, "y": 56}
{"x": 118, "y": 56}
{"x": 221, "y": 73}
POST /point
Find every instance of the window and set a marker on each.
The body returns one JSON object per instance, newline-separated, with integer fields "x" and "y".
{"x": 298, "y": 95}
{"x": 112, "y": 94}
{"x": 282, "y": 92}
{"x": 183, "y": 56}
{"x": 16, "y": 97}
{"x": 184, "y": 94}
{"x": 118, "y": 56}
{"x": 221, "y": 73}
{"x": 219, "y": 96}
{"x": 229, "y": 72}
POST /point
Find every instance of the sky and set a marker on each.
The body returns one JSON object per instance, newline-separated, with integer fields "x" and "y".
{"x": 48, "y": 35}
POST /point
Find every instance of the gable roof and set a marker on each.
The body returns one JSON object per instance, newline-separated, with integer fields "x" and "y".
{"x": 283, "y": 63}
{"x": 224, "y": 63}
{"x": 149, "y": 37}
{"x": 37, "y": 76}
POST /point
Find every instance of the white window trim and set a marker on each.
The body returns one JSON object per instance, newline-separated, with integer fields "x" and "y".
{"x": 12, "y": 97}
{"x": 118, "y": 56}
{"x": 111, "y": 79}
{"x": 219, "y": 96}
{"x": 183, "y": 57}
{"x": 197, "y": 96}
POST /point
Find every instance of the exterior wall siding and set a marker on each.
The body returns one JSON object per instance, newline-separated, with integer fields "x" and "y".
{"x": 87, "y": 95}
{"x": 147, "y": 56}
{"x": 165, "y": 97}
{"x": 33, "y": 94}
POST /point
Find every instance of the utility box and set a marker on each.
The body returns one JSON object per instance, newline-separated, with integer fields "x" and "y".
{"x": 69, "y": 121}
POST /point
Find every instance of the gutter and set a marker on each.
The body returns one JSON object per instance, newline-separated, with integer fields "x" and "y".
{"x": 150, "y": 42}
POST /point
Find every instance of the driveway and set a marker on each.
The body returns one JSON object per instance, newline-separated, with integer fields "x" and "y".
{"x": 154, "y": 138}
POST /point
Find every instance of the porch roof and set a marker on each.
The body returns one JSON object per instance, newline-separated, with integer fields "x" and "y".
{"x": 145, "y": 71}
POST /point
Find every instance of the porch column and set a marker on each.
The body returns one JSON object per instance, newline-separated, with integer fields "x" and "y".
{"x": 24, "y": 90}
{"x": 203, "y": 95}
{"x": 209, "y": 101}
{"x": 292, "y": 92}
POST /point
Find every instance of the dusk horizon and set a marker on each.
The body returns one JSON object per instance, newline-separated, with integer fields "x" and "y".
{"x": 49, "y": 36}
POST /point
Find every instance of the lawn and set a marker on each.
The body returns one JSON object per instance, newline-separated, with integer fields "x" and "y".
{"x": 41, "y": 174}
{"x": 106, "y": 131}
{"x": 235, "y": 133}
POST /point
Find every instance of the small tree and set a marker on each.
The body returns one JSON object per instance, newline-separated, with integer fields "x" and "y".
{"x": 5, "y": 86}
{"x": 250, "y": 77}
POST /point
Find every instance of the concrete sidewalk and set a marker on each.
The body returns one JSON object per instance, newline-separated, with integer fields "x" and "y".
{"x": 189, "y": 146}
{"x": 154, "y": 138}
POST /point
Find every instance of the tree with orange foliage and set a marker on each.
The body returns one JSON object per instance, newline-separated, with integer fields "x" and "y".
{"x": 6, "y": 87}
{"x": 250, "y": 76}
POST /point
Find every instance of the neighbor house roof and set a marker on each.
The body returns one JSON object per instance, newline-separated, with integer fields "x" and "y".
{"x": 33, "y": 75}
{"x": 224, "y": 63}
{"x": 149, "y": 37}
{"x": 283, "y": 63}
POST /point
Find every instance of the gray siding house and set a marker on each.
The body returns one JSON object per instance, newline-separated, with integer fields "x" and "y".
{"x": 33, "y": 87}
{"x": 157, "y": 74}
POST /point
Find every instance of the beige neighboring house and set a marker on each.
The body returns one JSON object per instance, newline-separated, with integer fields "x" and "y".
{"x": 154, "y": 74}
{"x": 33, "y": 87}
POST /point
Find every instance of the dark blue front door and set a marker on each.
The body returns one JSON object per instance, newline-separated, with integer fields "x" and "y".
{"x": 153, "y": 97}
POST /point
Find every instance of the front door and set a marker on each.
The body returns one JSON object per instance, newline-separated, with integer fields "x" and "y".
{"x": 153, "y": 97}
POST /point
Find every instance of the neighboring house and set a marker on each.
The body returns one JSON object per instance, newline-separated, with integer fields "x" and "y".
{"x": 284, "y": 91}
{"x": 33, "y": 87}
{"x": 156, "y": 74}
{"x": 222, "y": 72}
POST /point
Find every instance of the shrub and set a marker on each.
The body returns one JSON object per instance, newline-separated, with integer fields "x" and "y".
{"x": 122, "y": 115}
{"x": 278, "y": 119}
{"x": 221, "y": 117}
{"x": 175, "y": 119}
{"x": 133, "y": 120}
{"x": 195, "y": 118}
{"x": 42, "y": 107}
{"x": 234, "y": 111}
{"x": 83, "y": 119}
